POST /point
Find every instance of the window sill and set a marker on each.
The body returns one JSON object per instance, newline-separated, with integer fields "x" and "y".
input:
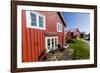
{"x": 36, "y": 27}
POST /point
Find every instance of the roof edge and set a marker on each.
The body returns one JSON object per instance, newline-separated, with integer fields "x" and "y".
{"x": 62, "y": 18}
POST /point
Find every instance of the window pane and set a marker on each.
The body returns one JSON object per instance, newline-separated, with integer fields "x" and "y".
{"x": 48, "y": 43}
{"x": 60, "y": 27}
{"x": 33, "y": 19}
{"x": 55, "y": 42}
{"x": 40, "y": 21}
{"x": 52, "y": 43}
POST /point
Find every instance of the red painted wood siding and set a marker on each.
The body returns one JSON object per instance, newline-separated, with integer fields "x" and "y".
{"x": 51, "y": 24}
{"x": 33, "y": 40}
{"x": 24, "y": 38}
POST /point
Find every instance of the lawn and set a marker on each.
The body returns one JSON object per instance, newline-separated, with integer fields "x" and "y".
{"x": 81, "y": 49}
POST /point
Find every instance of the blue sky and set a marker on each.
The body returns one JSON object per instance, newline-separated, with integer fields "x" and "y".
{"x": 77, "y": 20}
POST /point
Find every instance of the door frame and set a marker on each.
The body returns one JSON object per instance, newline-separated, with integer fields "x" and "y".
{"x": 50, "y": 37}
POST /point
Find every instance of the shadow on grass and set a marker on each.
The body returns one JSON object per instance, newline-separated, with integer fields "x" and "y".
{"x": 70, "y": 41}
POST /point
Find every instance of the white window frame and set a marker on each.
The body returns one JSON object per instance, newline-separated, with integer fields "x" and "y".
{"x": 59, "y": 27}
{"x": 28, "y": 20}
{"x": 51, "y": 37}
{"x": 43, "y": 21}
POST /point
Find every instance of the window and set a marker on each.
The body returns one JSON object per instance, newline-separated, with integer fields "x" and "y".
{"x": 48, "y": 43}
{"x": 35, "y": 20}
{"x": 41, "y": 21}
{"x": 59, "y": 27}
{"x": 55, "y": 42}
{"x": 51, "y": 43}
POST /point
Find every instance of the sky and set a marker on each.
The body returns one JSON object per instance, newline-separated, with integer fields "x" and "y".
{"x": 77, "y": 20}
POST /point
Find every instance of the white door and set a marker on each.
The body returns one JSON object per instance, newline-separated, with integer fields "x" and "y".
{"x": 51, "y": 42}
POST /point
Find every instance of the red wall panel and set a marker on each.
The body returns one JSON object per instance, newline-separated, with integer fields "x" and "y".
{"x": 24, "y": 40}
{"x": 33, "y": 46}
{"x": 35, "y": 41}
{"x": 29, "y": 45}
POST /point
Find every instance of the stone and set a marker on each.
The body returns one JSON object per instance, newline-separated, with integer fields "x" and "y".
{"x": 60, "y": 55}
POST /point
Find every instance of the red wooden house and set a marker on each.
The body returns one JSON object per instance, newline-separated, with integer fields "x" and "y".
{"x": 73, "y": 34}
{"x": 40, "y": 30}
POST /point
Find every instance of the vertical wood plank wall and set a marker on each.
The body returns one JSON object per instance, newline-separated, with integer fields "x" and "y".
{"x": 33, "y": 40}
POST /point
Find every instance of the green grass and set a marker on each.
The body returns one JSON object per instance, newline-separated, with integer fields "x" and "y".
{"x": 81, "y": 49}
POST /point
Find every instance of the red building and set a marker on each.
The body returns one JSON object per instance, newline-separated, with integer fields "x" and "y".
{"x": 40, "y": 30}
{"x": 73, "y": 34}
